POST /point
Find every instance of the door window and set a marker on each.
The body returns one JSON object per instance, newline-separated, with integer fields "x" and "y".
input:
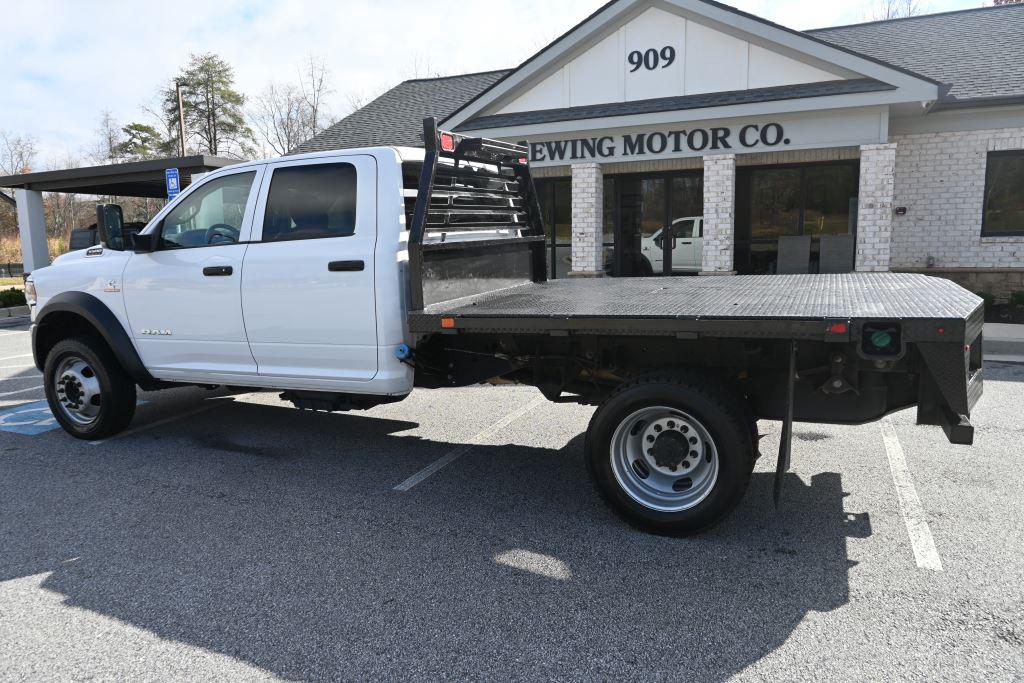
{"x": 211, "y": 215}
{"x": 311, "y": 202}
{"x": 685, "y": 228}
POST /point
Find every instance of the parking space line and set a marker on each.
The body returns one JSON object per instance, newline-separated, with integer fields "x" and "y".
{"x": 150, "y": 425}
{"x": 24, "y": 355}
{"x": 461, "y": 450}
{"x": 921, "y": 540}
{"x": 20, "y": 391}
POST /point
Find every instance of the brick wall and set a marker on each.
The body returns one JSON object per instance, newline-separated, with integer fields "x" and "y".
{"x": 875, "y": 206}
{"x": 940, "y": 178}
{"x": 719, "y": 213}
{"x": 587, "y": 218}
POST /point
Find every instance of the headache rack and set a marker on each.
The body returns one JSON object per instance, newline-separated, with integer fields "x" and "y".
{"x": 475, "y": 225}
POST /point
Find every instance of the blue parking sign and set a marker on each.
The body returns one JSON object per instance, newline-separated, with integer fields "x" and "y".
{"x": 173, "y": 183}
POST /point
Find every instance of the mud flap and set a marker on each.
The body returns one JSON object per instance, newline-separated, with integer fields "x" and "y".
{"x": 786, "y": 440}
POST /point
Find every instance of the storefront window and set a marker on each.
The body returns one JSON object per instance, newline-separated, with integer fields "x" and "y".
{"x": 827, "y": 205}
{"x": 774, "y": 202}
{"x": 1004, "y": 194}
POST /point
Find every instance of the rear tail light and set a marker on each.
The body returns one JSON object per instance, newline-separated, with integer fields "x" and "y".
{"x": 447, "y": 142}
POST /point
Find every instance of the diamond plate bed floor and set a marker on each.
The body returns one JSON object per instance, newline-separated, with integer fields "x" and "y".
{"x": 795, "y": 297}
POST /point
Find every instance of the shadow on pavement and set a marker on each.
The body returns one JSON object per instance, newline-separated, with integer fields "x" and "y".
{"x": 309, "y": 565}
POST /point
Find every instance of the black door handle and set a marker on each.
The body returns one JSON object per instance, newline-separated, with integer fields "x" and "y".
{"x": 340, "y": 266}
{"x": 211, "y": 271}
{"x": 686, "y": 242}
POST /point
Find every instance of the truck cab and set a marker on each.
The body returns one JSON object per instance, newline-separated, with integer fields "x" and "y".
{"x": 274, "y": 273}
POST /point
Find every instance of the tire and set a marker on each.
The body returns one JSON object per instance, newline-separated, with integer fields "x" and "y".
{"x": 89, "y": 393}
{"x": 646, "y": 269}
{"x": 700, "y": 473}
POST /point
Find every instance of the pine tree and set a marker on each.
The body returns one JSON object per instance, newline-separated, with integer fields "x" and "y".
{"x": 214, "y": 121}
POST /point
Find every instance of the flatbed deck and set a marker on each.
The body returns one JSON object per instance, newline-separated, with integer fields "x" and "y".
{"x": 779, "y": 306}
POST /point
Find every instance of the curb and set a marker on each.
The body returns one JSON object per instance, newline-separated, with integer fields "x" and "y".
{"x": 14, "y": 312}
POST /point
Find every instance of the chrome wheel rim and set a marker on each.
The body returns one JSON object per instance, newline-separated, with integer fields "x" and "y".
{"x": 78, "y": 390}
{"x": 664, "y": 459}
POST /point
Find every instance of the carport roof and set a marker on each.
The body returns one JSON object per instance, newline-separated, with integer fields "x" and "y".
{"x": 130, "y": 179}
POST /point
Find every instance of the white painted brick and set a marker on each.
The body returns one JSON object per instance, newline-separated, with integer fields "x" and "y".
{"x": 587, "y": 218}
{"x": 940, "y": 178}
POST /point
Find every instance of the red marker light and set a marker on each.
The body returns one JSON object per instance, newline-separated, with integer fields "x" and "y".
{"x": 523, "y": 160}
{"x": 838, "y": 328}
{"x": 447, "y": 142}
{"x": 941, "y": 330}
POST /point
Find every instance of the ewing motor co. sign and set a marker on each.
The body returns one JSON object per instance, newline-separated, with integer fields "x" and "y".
{"x": 810, "y": 130}
{"x": 683, "y": 142}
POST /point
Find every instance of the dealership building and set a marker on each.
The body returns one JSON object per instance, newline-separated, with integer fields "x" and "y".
{"x": 735, "y": 135}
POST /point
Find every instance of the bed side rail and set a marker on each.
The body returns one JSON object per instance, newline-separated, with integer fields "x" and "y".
{"x": 476, "y": 223}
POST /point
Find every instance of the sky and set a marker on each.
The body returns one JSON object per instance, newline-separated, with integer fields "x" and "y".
{"x": 65, "y": 62}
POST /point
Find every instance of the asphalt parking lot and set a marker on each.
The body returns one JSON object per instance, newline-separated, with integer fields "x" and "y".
{"x": 234, "y": 536}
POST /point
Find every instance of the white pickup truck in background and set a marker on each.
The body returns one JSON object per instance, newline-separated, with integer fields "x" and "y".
{"x": 685, "y": 249}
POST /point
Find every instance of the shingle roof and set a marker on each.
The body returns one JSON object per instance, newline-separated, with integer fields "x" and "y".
{"x": 979, "y": 52}
{"x": 396, "y": 117}
{"x": 774, "y": 94}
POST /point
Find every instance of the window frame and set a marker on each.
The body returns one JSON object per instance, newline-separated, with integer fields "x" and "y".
{"x": 156, "y": 225}
{"x": 270, "y": 188}
{"x": 366, "y": 195}
{"x": 984, "y": 197}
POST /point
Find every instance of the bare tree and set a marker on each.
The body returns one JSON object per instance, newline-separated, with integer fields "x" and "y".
{"x": 285, "y": 115}
{"x": 17, "y": 153}
{"x": 314, "y": 84}
{"x": 279, "y": 114}
{"x": 109, "y": 137}
{"x": 896, "y": 9}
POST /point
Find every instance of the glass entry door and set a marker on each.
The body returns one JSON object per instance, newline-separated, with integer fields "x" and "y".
{"x": 659, "y": 226}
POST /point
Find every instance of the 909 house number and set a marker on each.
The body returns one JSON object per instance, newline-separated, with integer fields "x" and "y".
{"x": 651, "y": 59}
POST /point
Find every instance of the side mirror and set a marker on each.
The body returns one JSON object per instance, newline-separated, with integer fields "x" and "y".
{"x": 110, "y": 224}
{"x": 144, "y": 243}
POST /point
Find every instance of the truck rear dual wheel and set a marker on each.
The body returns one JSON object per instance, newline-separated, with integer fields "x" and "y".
{"x": 89, "y": 392}
{"x": 671, "y": 454}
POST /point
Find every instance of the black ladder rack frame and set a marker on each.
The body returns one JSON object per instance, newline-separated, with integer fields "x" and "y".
{"x": 467, "y": 259}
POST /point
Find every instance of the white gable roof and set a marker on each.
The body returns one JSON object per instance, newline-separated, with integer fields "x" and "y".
{"x": 634, "y": 50}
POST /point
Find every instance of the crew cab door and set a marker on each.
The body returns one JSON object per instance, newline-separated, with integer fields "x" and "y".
{"x": 308, "y": 277}
{"x": 686, "y": 232}
{"x": 184, "y": 299}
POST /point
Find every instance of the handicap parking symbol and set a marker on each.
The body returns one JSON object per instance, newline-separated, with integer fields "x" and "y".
{"x": 29, "y": 419}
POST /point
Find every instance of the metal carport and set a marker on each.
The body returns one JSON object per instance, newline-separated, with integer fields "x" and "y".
{"x": 130, "y": 179}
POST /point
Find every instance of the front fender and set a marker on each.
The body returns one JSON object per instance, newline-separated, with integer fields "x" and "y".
{"x": 96, "y": 313}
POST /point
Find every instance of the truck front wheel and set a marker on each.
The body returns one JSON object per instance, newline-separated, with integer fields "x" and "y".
{"x": 671, "y": 454}
{"x": 89, "y": 392}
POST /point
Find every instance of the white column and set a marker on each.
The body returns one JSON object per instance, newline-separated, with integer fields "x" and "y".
{"x": 32, "y": 229}
{"x": 587, "y": 220}
{"x": 719, "y": 215}
{"x": 875, "y": 206}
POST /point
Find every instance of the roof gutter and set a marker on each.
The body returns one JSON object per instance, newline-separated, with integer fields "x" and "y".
{"x": 976, "y": 103}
